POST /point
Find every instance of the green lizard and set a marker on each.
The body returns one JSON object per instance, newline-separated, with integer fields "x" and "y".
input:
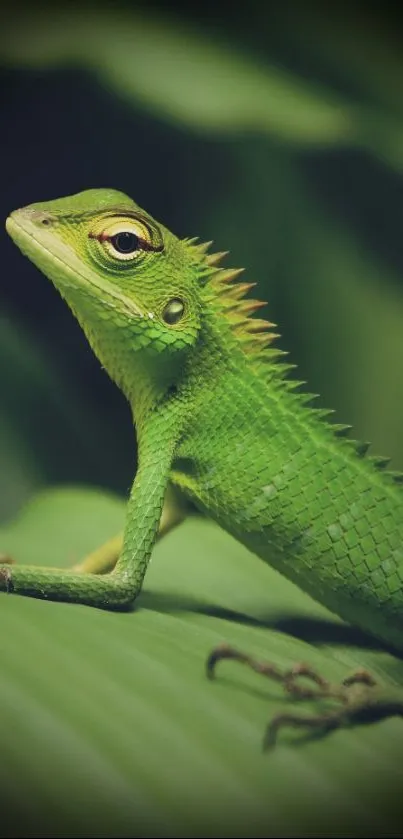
{"x": 216, "y": 418}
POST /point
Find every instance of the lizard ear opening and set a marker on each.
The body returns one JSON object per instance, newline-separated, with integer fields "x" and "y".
{"x": 173, "y": 311}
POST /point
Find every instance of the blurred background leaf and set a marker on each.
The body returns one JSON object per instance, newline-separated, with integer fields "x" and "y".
{"x": 186, "y": 73}
{"x": 277, "y": 131}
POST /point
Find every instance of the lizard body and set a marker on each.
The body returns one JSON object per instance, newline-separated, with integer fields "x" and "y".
{"x": 215, "y": 416}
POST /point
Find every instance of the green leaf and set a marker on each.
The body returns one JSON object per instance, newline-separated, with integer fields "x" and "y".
{"x": 176, "y": 71}
{"x": 109, "y": 726}
{"x": 188, "y": 76}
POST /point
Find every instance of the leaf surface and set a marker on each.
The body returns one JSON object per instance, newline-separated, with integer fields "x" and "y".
{"x": 109, "y": 726}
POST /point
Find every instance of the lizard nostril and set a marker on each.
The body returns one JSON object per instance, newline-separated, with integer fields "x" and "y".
{"x": 38, "y": 216}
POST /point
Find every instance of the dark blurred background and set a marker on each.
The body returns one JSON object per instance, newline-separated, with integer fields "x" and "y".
{"x": 274, "y": 129}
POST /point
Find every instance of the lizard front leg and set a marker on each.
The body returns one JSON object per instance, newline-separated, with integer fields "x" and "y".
{"x": 116, "y": 589}
{"x": 105, "y": 557}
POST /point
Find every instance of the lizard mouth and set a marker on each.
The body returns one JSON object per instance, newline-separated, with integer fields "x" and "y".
{"x": 61, "y": 264}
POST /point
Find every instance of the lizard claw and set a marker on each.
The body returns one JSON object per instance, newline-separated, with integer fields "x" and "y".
{"x": 359, "y": 697}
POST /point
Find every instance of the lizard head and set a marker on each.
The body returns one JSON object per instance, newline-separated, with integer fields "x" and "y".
{"x": 132, "y": 285}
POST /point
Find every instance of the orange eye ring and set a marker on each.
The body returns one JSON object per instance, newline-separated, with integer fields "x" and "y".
{"x": 125, "y": 239}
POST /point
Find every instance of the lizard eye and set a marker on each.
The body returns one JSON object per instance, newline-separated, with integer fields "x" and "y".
{"x": 124, "y": 239}
{"x": 173, "y": 311}
{"x": 125, "y": 242}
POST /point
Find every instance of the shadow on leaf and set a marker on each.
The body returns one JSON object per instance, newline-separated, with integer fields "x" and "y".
{"x": 315, "y": 631}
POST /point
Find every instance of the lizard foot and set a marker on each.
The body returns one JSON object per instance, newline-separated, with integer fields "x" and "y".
{"x": 359, "y": 698}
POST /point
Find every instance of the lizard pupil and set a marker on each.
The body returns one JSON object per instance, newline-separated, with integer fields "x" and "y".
{"x": 125, "y": 242}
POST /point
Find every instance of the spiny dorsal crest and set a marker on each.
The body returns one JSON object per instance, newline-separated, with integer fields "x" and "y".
{"x": 254, "y": 333}
{"x": 256, "y": 337}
